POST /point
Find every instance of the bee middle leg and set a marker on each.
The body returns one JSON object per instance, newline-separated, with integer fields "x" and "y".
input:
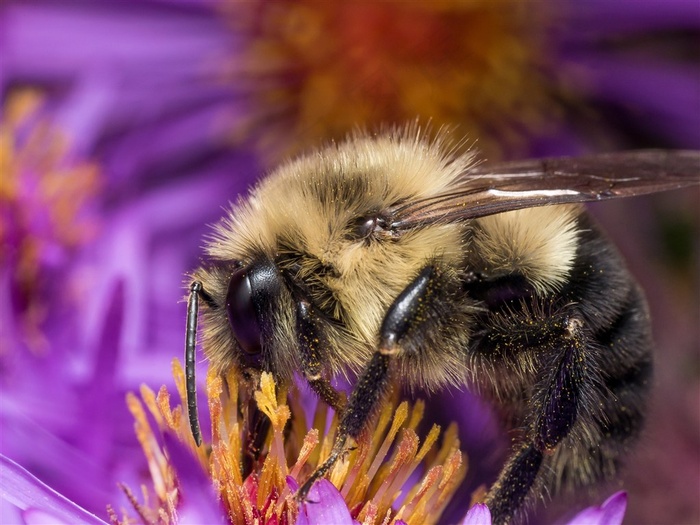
{"x": 552, "y": 410}
{"x": 403, "y": 315}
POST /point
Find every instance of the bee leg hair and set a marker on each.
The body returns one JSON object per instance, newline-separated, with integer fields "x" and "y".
{"x": 311, "y": 344}
{"x": 553, "y": 411}
{"x": 405, "y": 313}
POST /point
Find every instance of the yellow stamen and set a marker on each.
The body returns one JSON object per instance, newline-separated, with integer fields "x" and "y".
{"x": 371, "y": 475}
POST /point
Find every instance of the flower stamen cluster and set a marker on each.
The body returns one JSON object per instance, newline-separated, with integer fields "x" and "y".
{"x": 375, "y": 478}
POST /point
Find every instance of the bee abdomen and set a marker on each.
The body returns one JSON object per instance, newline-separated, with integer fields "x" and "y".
{"x": 620, "y": 366}
{"x": 626, "y": 371}
{"x": 613, "y": 413}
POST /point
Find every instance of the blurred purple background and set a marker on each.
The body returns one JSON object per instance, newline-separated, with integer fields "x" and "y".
{"x": 129, "y": 125}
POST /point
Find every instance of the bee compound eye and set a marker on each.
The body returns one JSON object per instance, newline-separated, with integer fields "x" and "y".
{"x": 241, "y": 312}
{"x": 366, "y": 226}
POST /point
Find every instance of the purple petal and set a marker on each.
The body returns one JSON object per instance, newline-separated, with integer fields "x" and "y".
{"x": 611, "y": 512}
{"x": 199, "y": 500}
{"x": 625, "y": 16}
{"x": 635, "y": 84}
{"x": 324, "y": 505}
{"x": 479, "y": 514}
{"x": 37, "y": 501}
{"x": 292, "y": 484}
{"x": 153, "y": 38}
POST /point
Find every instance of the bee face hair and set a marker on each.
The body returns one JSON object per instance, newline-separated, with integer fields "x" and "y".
{"x": 320, "y": 217}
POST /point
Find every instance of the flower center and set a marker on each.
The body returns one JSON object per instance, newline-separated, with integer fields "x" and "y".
{"x": 44, "y": 197}
{"x": 377, "y": 471}
{"x": 319, "y": 69}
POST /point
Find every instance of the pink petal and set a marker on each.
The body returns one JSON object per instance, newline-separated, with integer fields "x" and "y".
{"x": 611, "y": 512}
{"x": 479, "y": 514}
{"x": 324, "y": 505}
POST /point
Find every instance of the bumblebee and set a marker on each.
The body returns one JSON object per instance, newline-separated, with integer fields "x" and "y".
{"x": 395, "y": 259}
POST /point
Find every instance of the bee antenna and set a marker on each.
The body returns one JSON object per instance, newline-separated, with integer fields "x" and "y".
{"x": 190, "y": 351}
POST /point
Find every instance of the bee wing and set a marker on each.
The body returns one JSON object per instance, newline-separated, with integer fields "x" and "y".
{"x": 486, "y": 190}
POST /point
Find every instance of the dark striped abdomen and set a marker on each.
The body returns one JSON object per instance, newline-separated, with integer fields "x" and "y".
{"x": 615, "y": 402}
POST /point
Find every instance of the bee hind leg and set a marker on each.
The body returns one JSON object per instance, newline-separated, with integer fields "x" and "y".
{"x": 553, "y": 411}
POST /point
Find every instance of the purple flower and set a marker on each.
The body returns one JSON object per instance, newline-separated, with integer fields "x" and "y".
{"x": 548, "y": 78}
{"x": 49, "y": 216}
{"x": 163, "y": 109}
{"x": 389, "y": 460}
{"x": 92, "y": 283}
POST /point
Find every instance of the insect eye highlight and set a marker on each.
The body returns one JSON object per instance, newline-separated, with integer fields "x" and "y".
{"x": 241, "y": 312}
{"x": 366, "y": 226}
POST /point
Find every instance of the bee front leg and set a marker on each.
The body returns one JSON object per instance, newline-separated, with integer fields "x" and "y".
{"x": 311, "y": 344}
{"x": 405, "y": 313}
{"x": 553, "y": 411}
